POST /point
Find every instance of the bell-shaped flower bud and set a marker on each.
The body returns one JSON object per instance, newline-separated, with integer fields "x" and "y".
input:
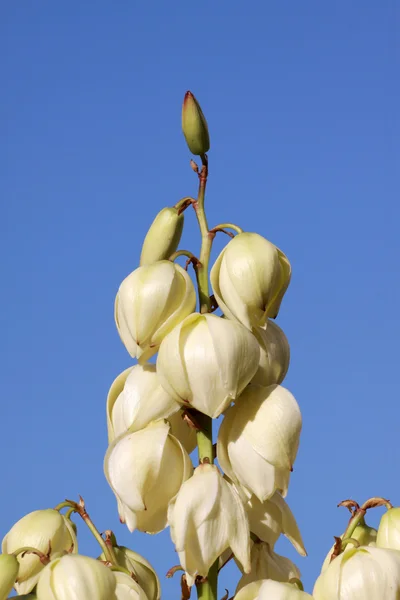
{"x": 194, "y": 126}
{"x": 127, "y": 588}
{"x": 206, "y": 362}
{"x": 363, "y": 534}
{"x": 150, "y": 302}
{"x": 46, "y": 531}
{"x": 163, "y": 237}
{"x": 142, "y": 570}
{"x": 136, "y": 398}
{"x": 249, "y": 279}
{"x": 76, "y": 577}
{"x": 389, "y": 530}
{"x": 274, "y": 355}
{"x": 364, "y": 573}
{"x": 267, "y": 589}
{"x": 266, "y": 564}
{"x": 206, "y": 518}
{"x": 261, "y": 430}
{"x": 145, "y": 470}
{"x": 9, "y": 566}
{"x": 271, "y": 518}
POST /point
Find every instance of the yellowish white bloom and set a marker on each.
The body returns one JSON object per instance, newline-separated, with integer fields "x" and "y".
{"x": 136, "y": 398}
{"x": 144, "y": 573}
{"x": 274, "y": 355}
{"x": 271, "y": 518}
{"x": 364, "y": 573}
{"x": 127, "y": 588}
{"x": 76, "y": 577}
{"x": 145, "y": 470}
{"x": 267, "y": 589}
{"x": 163, "y": 237}
{"x": 43, "y": 530}
{"x": 389, "y": 530}
{"x": 258, "y": 440}
{"x": 249, "y": 279}
{"x": 8, "y": 574}
{"x": 267, "y": 564}
{"x": 150, "y": 302}
{"x": 363, "y": 534}
{"x": 206, "y": 362}
{"x": 206, "y": 518}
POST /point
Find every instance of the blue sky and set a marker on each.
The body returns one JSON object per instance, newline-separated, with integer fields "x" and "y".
{"x": 301, "y": 102}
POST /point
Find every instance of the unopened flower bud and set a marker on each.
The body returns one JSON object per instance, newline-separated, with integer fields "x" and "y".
{"x": 206, "y": 518}
{"x": 127, "y": 588}
{"x": 142, "y": 570}
{"x": 364, "y": 573}
{"x": 262, "y": 429}
{"x": 150, "y": 302}
{"x": 206, "y": 362}
{"x": 46, "y": 531}
{"x": 145, "y": 470}
{"x": 76, "y": 577}
{"x": 194, "y": 126}
{"x": 271, "y": 518}
{"x": 389, "y": 530}
{"x": 8, "y": 574}
{"x": 267, "y": 589}
{"x": 163, "y": 237}
{"x": 136, "y": 398}
{"x": 267, "y": 564}
{"x": 249, "y": 279}
{"x": 363, "y": 534}
{"x": 274, "y": 355}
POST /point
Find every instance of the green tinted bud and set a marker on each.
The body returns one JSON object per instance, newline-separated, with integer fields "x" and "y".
{"x": 194, "y": 126}
{"x": 163, "y": 237}
{"x": 8, "y": 574}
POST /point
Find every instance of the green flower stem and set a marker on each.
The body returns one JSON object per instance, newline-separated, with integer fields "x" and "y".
{"x": 80, "y": 509}
{"x": 206, "y": 588}
{"x": 228, "y": 226}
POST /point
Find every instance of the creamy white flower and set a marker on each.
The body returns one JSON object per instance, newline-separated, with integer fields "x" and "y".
{"x": 206, "y": 362}
{"x": 271, "y": 518}
{"x": 150, "y": 302}
{"x": 258, "y": 440}
{"x": 144, "y": 573}
{"x": 389, "y": 530}
{"x": 206, "y": 518}
{"x": 76, "y": 577}
{"x": 163, "y": 237}
{"x": 249, "y": 279}
{"x": 267, "y": 589}
{"x": 274, "y": 355}
{"x": 8, "y": 574}
{"x": 266, "y": 564}
{"x": 42, "y": 530}
{"x": 136, "y": 398}
{"x": 145, "y": 470}
{"x": 364, "y": 573}
{"x": 363, "y": 534}
{"x": 127, "y": 588}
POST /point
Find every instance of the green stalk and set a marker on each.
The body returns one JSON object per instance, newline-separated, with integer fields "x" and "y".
{"x": 207, "y": 589}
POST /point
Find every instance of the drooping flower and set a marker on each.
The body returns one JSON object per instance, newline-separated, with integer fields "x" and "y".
{"x": 206, "y": 362}
{"x": 46, "y": 531}
{"x": 249, "y": 279}
{"x": 150, "y": 302}
{"x": 262, "y": 430}
{"x": 389, "y": 530}
{"x": 206, "y": 518}
{"x": 145, "y": 470}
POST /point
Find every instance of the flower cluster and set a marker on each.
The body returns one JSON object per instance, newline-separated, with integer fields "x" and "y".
{"x": 225, "y": 359}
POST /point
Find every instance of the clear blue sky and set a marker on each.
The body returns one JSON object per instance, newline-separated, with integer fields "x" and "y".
{"x": 301, "y": 100}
